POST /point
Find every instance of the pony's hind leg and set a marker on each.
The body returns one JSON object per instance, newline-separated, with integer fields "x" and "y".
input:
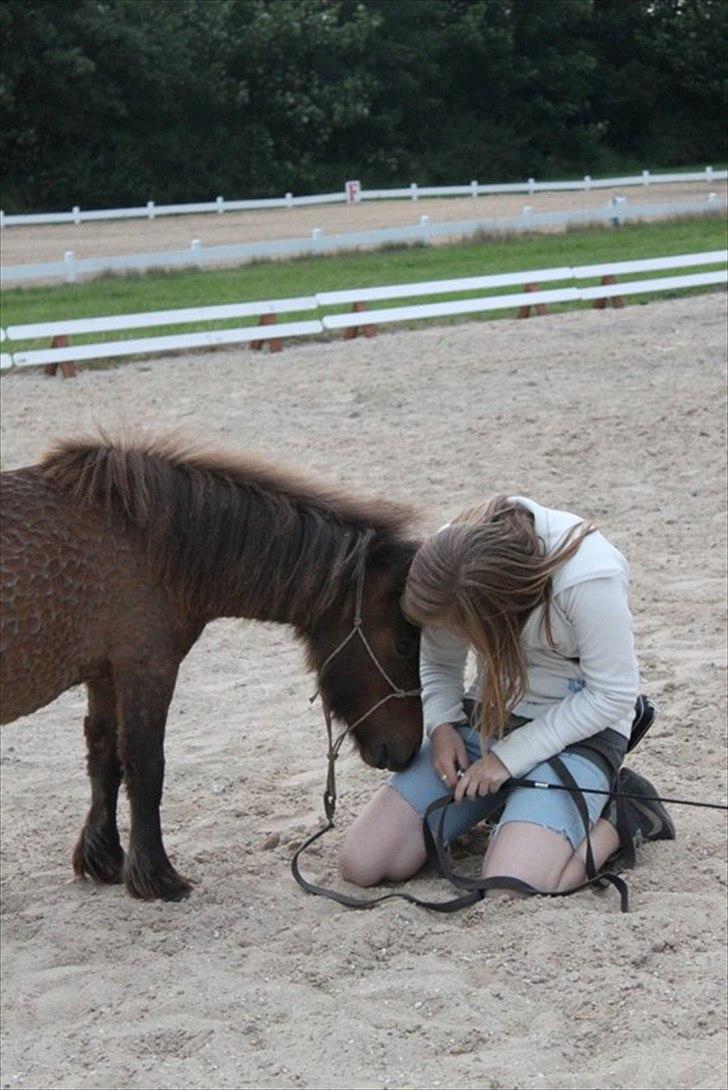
{"x": 98, "y": 853}
{"x": 143, "y": 702}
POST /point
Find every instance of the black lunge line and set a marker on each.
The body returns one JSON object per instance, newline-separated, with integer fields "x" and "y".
{"x": 518, "y": 782}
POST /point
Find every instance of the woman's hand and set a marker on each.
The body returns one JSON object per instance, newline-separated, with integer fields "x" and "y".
{"x": 484, "y": 777}
{"x": 448, "y": 754}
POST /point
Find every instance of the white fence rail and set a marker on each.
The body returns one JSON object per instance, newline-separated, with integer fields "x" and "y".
{"x": 616, "y": 213}
{"x": 448, "y": 309}
{"x": 412, "y": 192}
{"x": 152, "y": 319}
{"x": 530, "y": 279}
{"x": 533, "y": 298}
{"x": 174, "y": 343}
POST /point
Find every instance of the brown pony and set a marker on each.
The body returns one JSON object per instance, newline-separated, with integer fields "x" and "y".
{"x": 114, "y": 558}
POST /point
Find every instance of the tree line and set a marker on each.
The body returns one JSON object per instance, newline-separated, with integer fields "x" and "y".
{"x": 114, "y": 102}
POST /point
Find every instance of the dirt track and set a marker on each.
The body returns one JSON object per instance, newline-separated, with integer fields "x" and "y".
{"x": 30, "y": 245}
{"x": 618, "y": 415}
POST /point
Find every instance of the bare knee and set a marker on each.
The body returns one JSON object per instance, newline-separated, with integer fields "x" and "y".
{"x": 368, "y": 864}
{"x": 358, "y": 865}
{"x": 385, "y": 842}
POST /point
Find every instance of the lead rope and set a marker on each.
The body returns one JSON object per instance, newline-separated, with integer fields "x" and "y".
{"x": 474, "y": 888}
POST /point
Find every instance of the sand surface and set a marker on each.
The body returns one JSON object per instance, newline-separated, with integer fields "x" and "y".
{"x": 31, "y": 245}
{"x": 618, "y": 415}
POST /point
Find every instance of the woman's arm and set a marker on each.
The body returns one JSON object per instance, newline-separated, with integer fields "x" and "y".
{"x": 599, "y": 612}
{"x": 442, "y": 675}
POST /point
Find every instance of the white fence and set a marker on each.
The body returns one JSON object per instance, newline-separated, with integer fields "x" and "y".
{"x": 63, "y": 354}
{"x": 532, "y": 279}
{"x": 617, "y": 212}
{"x": 352, "y": 192}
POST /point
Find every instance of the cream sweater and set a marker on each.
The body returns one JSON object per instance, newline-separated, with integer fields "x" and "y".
{"x": 589, "y": 681}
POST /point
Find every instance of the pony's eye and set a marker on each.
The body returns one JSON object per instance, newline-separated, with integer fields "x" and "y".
{"x": 405, "y": 648}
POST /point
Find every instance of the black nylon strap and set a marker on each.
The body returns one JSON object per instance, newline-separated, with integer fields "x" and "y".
{"x": 364, "y": 902}
{"x": 479, "y": 886}
{"x": 568, "y": 780}
{"x": 474, "y": 888}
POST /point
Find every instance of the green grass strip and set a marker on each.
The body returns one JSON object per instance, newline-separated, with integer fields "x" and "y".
{"x": 306, "y": 276}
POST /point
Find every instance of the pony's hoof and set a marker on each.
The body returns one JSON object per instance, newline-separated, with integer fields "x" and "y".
{"x": 151, "y": 881}
{"x": 98, "y": 855}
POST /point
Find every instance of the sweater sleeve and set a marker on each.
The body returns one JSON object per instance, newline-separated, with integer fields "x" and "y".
{"x": 602, "y": 622}
{"x": 442, "y": 675}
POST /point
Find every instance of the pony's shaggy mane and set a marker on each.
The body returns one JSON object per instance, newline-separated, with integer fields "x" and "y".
{"x": 222, "y": 526}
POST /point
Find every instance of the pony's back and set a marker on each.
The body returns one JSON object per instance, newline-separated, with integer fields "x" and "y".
{"x": 62, "y": 569}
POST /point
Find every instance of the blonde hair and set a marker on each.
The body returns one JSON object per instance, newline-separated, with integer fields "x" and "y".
{"x": 481, "y": 577}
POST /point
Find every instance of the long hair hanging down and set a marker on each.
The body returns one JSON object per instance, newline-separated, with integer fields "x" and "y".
{"x": 481, "y": 577}
{"x": 230, "y": 534}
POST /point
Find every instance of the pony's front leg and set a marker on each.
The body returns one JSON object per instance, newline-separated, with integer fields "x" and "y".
{"x": 143, "y": 703}
{"x": 98, "y": 853}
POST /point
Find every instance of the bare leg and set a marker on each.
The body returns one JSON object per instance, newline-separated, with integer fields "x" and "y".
{"x": 144, "y": 701}
{"x": 543, "y": 858}
{"x": 98, "y": 853}
{"x": 385, "y": 841}
{"x": 604, "y": 841}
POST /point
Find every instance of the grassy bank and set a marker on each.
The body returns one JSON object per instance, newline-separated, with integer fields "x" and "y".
{"x": 306, "y": 276}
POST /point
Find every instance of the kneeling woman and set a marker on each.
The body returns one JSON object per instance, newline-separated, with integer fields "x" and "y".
{"x": 541, "y": 598}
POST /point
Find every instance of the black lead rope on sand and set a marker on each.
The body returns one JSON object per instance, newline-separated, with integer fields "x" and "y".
{"x": 474, "y": 888}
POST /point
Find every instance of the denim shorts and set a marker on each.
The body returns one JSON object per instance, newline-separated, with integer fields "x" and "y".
{"x": 419, "y": 785}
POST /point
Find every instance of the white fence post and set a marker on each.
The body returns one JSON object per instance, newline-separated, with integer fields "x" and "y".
{"x": 68, "y": 260}
{"x": 316, "y": 240}
{"x": 76, "y": 211}
{"x": 645, "y": 177}
{"x": 526, "y": 215}
{"x": 150, "y": 209}
{"x": 289, "y": 200}
{"x": 2, "y": 219}
{"x": 618, "y": 204}
{"x": 413, "y": 191}
{"x": 712, "y": 201}
{"x": 531, "y": 186}
{"x": 196, "y": 247}
{"x": 425, "y": 227}
{"x": 220, "y": 202}
{"x": 587, "y": 181}
{"x": 473, "y": 189}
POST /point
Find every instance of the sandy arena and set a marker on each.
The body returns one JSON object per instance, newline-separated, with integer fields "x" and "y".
{"x": 29, "y": 245}
{"x": 618, "y": 415}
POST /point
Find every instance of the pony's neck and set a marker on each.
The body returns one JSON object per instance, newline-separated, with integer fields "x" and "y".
{"x": 227, "y": 535}
{"x": 291, "y": 574}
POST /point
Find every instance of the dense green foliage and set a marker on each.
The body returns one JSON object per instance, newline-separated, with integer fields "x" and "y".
{"x": 306, "y": 276}
{"x": 112, "y": 102}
